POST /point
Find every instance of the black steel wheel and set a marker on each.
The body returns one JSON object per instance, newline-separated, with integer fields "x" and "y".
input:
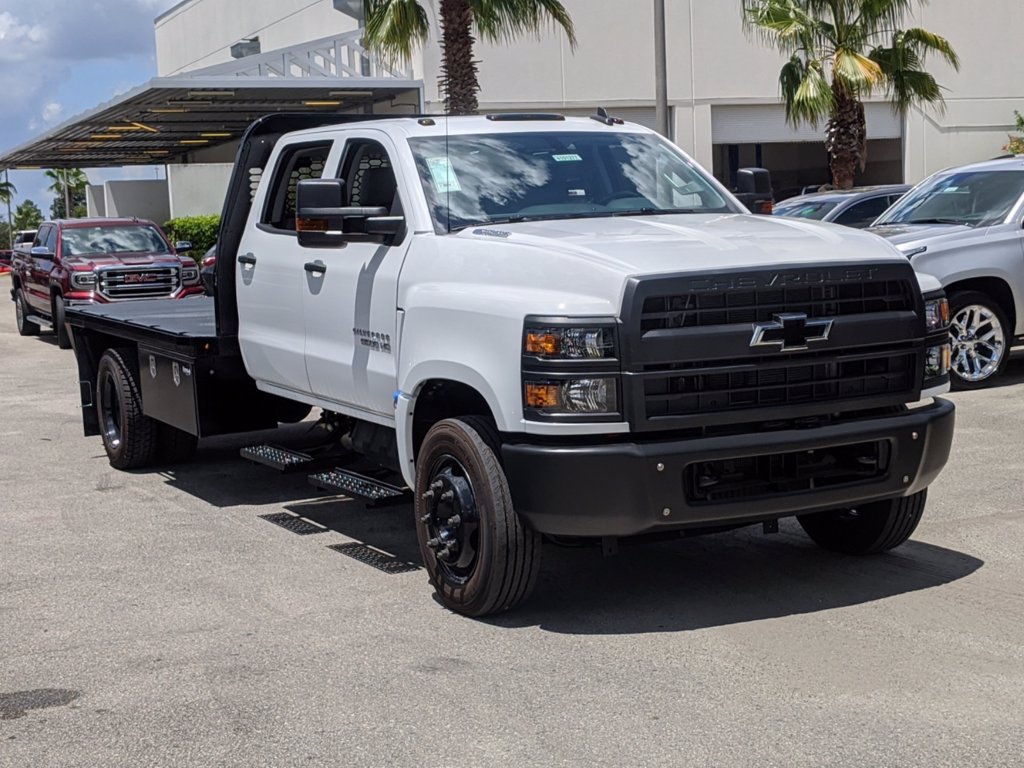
{"x": 980, "y": 336}
{"x": 25, "y": 326}
{"x": 868, "y": 528}
{"x": 130, "y": 438}
{"x": 480, "y": 556}
{"x": 60, "y": 323}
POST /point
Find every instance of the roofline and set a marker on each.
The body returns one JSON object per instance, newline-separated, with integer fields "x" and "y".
{"x": 173, "y": 9}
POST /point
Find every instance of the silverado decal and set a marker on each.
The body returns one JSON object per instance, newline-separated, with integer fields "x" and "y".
{"x": 379, "y": 342}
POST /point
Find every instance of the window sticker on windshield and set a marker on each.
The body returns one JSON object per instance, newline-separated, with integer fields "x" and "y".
{"x": 567, "y": 158}
{"x": 443, "y": 175}
{"x": 577, "y": 193}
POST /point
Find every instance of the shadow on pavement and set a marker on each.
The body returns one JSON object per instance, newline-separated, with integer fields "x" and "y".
{"x": 719, "y": 580}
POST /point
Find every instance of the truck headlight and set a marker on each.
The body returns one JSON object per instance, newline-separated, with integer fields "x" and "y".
{"x": 569, "y": 343}
{"x": 83, "y": 280}
{"x": 936, "y": 313}
{"x": 189, "y": 275}
{"x": 572, "y": 396}
{"x": 937, "y": 362}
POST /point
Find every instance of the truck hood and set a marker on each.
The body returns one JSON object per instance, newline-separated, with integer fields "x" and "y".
{"x": 671, "y": 243}
{"x": 101, "y": 261}
{"x": 917, "y": 234}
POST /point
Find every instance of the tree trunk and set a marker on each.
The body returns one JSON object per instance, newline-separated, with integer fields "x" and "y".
{"x": 846, "y": 137}
{"x": 461, "y": 85}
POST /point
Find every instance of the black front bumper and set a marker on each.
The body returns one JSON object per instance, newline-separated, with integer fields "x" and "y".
{"x": 625, "y": 489}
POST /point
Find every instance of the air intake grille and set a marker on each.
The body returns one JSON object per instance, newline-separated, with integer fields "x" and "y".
{"x": 696, "y": 309}
{"x": 130, "y": 283}
{"x": 774, "y": 382}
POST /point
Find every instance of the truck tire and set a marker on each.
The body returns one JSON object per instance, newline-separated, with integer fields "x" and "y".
{"x": 60, "y": 324}
{"x": 176, "y": 446}
{"x": 868, "y": 529}
{"x": 25, "y": 326}
{"x": 480, "y": 556}
{"x": 129, "y": 437}
{"x": 980, "y": 336}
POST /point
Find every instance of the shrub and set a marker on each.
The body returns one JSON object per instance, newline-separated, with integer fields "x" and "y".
{"x": 1016, "y": 145}
{"x": 201, "y": 231}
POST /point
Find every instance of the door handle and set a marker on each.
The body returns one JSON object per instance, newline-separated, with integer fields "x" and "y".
{"x": 315, "y": 267}
{"x": 248, "y": 259}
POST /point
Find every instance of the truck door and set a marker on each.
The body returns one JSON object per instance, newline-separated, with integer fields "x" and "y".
{"x": 37, "y": 281}
{"x": 351, "y": 304}
{"x": 269, "y": 276}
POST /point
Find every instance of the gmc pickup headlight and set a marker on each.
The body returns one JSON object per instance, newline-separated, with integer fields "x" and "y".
{"x": 575, "y": 397}
{"x": 936, "y": 313}
{"x": 569, "y": 343}
{"x": 190, "y": 275}
{"x": 83, "y": 280}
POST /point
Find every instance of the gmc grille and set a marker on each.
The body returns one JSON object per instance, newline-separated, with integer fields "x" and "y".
{"x": 135, "y": 283}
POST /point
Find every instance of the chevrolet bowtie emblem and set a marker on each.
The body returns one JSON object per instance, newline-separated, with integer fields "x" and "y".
{"x": 790, "y": 332}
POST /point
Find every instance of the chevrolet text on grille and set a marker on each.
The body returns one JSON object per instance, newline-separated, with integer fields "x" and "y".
{"x": 782, "y": 279}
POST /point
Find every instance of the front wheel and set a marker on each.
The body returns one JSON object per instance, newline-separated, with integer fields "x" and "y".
{"x": 480, "y": 556}
{"x": 868, "y": 528}
{"x": 60, "y": 324}
{"x": 979, "y": 334}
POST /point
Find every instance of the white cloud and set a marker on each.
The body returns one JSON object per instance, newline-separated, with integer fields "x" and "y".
{"x": 18, "y": 40}
{"x": 52, "y": 112}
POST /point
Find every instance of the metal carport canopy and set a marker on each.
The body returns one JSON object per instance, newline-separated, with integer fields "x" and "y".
{"x": 170, "y": 117}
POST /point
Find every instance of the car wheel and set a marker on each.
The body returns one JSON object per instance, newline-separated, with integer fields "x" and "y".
{"x": 480, "y": 556}
{"x": 979, "y": 334}
{"x": 868, "y": 528}
{"x": 130, "y": 438}
{"x": 176, "y": 445}
{"x": 25, "y": 326}
{"x": 60, "y": 324}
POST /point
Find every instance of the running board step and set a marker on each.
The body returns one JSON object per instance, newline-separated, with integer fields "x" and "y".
{"x": 356, "y": 486}
{"x": 281, "y": 459}
{"x": 42, "y": 322}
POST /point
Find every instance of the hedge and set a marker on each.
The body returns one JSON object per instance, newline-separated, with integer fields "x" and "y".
{"x": 201, "y": 231}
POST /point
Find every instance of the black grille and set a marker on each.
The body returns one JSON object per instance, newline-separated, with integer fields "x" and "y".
{"x": 702, "y": 308}
{"x": 131, "y": 283}
{"x": 771, "y": 382}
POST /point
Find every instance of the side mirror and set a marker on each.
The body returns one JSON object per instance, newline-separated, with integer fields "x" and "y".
{"x": 182, "y": 246}
{"x": 323, "y": 220}
{"x": 41, "y": 250}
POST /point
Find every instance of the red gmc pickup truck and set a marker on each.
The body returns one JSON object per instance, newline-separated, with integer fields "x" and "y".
{"x": 86, "y": 261}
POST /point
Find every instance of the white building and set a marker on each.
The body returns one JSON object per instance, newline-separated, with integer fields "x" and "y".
{"x": 723, "y": 84}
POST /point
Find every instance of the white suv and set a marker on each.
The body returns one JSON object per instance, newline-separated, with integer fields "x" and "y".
{"x": 965, "y": 226}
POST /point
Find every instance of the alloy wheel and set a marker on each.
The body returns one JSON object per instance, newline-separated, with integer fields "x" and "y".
{"x": 978, "y": 341}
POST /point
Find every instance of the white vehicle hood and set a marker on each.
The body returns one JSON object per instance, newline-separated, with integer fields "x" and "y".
{"x": 908, "y": 236}
{"x": 673, "y": 243}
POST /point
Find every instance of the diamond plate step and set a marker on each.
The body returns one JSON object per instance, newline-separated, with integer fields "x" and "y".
{"x": 292, "y": 523}
{"x": 275, "y": 457}
{"x": 353, "y": 485}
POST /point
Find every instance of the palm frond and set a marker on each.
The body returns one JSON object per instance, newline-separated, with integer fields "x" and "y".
{"x": 925, "y": 42}
{"x": 858, "y": 72}
{"x": 505, "y": 20}
{"x": 394, "y": 28}
{"x": 805, "y": 91}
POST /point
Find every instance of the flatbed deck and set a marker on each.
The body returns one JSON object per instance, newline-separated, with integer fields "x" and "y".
{"x": 187, "y": 320}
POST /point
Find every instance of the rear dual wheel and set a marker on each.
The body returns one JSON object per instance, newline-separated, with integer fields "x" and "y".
{"x": 480, "y": 556}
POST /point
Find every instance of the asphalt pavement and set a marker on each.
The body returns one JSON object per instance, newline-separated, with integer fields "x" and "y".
{"x": 154, "y": 619}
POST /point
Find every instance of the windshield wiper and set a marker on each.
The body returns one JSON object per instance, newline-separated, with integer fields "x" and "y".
{"x": 929, "y": 221}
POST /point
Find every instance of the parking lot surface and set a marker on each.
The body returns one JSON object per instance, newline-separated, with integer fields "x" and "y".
{"x": 154, "y": 619}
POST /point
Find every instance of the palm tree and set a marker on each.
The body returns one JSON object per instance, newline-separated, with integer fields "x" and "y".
{"x": 7, "y": 193}
{"x": 67, "y": 183}
{"x": 395, "y": 27}
{"x": 840, "y": 52}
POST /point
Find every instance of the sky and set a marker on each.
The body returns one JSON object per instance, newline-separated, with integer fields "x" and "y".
{"x": 59, "y": 58}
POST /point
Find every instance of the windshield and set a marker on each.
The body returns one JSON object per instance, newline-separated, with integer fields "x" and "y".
{"x": 974, "y": 198}
{"x": 502, "y": 178}
{"x": 805, "y": 210}
{"x": 86, "y": 241}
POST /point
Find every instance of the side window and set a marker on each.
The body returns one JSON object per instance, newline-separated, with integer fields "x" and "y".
{"x": 863, "y": 213}
{"x": 369, "y": 176}
{"x": 296, "y": 163}
{"x": 40, "y": 238}
{"x": 51, "y": 240}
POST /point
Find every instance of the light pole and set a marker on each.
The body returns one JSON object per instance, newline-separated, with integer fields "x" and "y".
{"x": 660, "y": 71}
{"x": 10, "y": 221}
